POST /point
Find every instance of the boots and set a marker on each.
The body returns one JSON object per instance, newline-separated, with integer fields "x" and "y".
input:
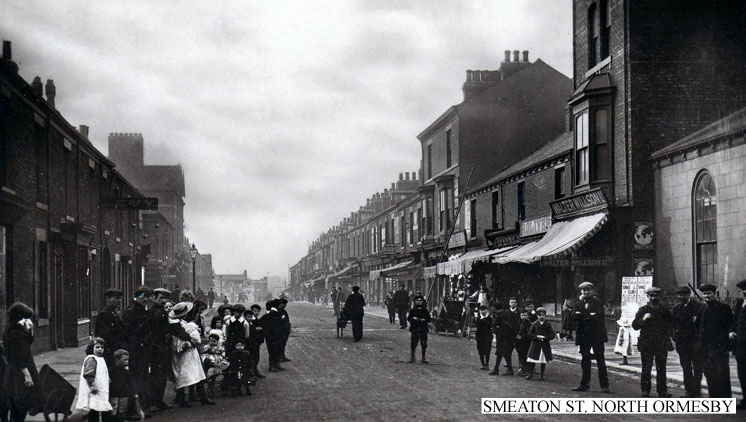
{"x": 496, "y": 371}
{"x": 530, "y": 370}
{"x": 543, "y": 368}
{"x": 423, "y": 356}
{"x": 487, "y": 362}
{"x": 411, "y": 356}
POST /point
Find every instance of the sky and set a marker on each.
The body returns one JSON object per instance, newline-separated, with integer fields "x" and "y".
{"x": 285, "y": 115}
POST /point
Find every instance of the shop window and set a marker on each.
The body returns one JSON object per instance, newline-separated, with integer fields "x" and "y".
{"x": 705, "y": 229}
{"x": 521, "y": 201}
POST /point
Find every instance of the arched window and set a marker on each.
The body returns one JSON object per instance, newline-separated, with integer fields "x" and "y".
{"x": 705, "y": 229}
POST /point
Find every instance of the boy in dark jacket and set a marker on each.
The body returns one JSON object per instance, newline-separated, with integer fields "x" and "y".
{"x": 484, "y": 336}
{"x": 239, "y": 371}
{"x": 419, "y": 320}
{"x": 123, "y": 389}
{"x": 523, "y": 342}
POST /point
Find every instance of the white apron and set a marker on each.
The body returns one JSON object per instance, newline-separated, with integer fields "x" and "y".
{"x": 187, "y": 365}
{"x": 100, "y": 401}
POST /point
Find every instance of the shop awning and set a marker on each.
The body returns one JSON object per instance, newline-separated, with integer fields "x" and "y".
{"x": 341, "y": 272}
{"x": 464, "y": 263}
{"x": 562, "y": 238}
{"x": 409, "y": 272}
{"x": 401, "y": 267}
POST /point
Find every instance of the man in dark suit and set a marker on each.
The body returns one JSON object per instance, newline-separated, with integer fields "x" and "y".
{"x": 716, "y": 323}
{"x": 401, "y": 299}
{"x": 271, "y": 324}
{"x": 506, "y": 329}
{"x": 210, "y": 298}
{"x": 256, "y": 337}
{"x": 740, "y": 338}
{"x": 655, "y": 324}
{"x": 109, "y": 325}
{"x": 590, "y": 336}
{"x": 513, "y": 320}
{"x": 136, "y": 329}
{"x": 684, "y": 316}
{"x": 354, "y": 309}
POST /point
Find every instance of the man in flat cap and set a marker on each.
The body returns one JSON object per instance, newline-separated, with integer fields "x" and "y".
{"x": 135, "y": 320}
{"x": 588, "y": 313}
{"x": 109, "y": 325}
{"x": 656, "y": 325}
{"x": 740, "y": 336}
{"x": 684, "y": 316}
{"x": 715, "y": 326}
{"x": 401, "y": 300}
{"x": 354, "y": 308}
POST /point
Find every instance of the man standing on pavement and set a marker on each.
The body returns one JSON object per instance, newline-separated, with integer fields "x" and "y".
{"x": 506, "y": 324}
{"x": 390, "y": 307}
{"x": 590, "y": 336}
{"x": 175, "y": 294}
{"x": 684, "y": 316}
{"x": 354, "y": 309}
{"x": 286, "y": 327}
{"x": 419, "y": 319}
{"x": 135, "y": 320}
{"x": 401, "y": 299}
{"x": 740, "y": 350}
{"x": 272, "y": 328}
{"x": 655, "y": 325}
{"x": 335, "y": 300}
{"x": 716, "y": 324}
{"x": 109, "y": 325}
{"x": 210, "y": 298}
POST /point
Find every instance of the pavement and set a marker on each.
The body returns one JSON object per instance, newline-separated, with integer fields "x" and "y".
{"x": 569, "y": 351}
{"x": 333, "y": 378}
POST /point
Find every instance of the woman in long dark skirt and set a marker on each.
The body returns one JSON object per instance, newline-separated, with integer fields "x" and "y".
{"x": 18, "y": 394}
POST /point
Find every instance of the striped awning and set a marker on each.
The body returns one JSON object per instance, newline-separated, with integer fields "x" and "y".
{"x": 561, "y": 239}
{"x": 464, "y": 263}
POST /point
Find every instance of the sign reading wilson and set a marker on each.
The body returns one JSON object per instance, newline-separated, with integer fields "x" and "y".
{"x": 579, "y": 204}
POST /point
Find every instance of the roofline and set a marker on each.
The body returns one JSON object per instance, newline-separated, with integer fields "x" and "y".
{"x": 451, "y": 112}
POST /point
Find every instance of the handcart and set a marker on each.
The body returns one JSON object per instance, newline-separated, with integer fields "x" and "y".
{"x": 57, "y": 394}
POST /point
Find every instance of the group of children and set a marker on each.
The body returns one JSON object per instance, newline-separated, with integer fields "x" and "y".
{"x": 531, "y": 341}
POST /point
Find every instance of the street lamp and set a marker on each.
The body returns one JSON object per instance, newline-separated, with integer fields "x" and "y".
{"x": 193, "y": 253}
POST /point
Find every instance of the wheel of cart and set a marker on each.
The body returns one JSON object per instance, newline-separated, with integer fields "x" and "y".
{"x": 57, "y": 394}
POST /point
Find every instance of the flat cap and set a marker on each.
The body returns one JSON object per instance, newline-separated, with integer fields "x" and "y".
{"x": 143, "y": 289}
{"x": 162, "y": 291}
{"x": 653, "y": 290}
{"x": 419, "y": 297}
{"x": 707, "y": 288}
{"x": 541, "y": 309}
{"x": 113, "y": 292}
{"x": 585, "y": 285}
{"x": 741, "y": 284}
{"x": 682, "y": 290}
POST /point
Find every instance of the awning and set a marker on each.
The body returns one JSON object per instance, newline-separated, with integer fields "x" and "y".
{"x": 341, "y": 272}
{"x": 400, "y": 267}
{"x": 318, "y": 280}
{"x": 409, "y": 272}
{"x": 430, "y": 272}
{"x": 464, "y": 263}
{"x": 562, "y": 238}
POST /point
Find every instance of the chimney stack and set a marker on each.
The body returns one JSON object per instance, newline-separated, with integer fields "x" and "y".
{"x": 414, "y": 175}
{"x": 525, "y": 56}
{"x": 507, "y": 56}
{"x": 401, "y": 176}
{"x": 83, "y": 129}
{"x": 406, "y": 175}
{"x": 37, "y": 87}
{"x": 51, "y": 92}
{"x": 393, "y": 186}
{"x": 516, "y": 56}
{"x": 8, "y": 57}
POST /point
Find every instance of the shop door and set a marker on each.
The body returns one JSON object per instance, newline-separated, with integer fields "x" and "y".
{"x": 58, "y": 317}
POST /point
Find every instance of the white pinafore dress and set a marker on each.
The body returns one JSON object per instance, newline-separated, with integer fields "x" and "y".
{"x": 99, "y": 401}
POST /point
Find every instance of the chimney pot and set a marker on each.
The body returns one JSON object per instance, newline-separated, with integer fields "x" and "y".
{"x": 51, "y": 92}
{"x": 393, "y": 186}
{"x": 525, "y": 56}
{"x": 516, "y": 56}
{"x": 7, "y": 52}
{"x": 401, "y": 176}
{"x": 468, "y": 75}
{"x": 414, "y": 175}
{"x": 37, "y": 87}
{"x": 406, "y": 175}
{"x": 83, "y": 130}
{"x": 507, "y": 56}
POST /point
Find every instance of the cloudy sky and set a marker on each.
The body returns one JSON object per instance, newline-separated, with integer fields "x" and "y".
{"x": 285, "y": 115}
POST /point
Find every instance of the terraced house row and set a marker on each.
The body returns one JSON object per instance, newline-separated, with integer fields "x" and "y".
{"x": 535, "y": 182}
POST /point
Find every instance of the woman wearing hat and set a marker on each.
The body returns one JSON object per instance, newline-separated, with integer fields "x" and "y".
{"x": 187, "y": 365}
{"x": 20, "y": 380}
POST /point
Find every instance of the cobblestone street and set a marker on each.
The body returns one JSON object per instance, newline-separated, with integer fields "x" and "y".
{"x": 338, "y": 379}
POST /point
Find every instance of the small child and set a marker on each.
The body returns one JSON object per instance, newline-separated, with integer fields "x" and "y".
{"x": 216, "y": 327}
{"x": 523, "y": 342}
{"x": 213, "y": 357}
{"x": 123, "y": 387}
{"x": 227, "y": 313}
{"x": 541, "y": 334}
{"x": 93, "y": 390}
{"x": 239, "y": 371}
{"x": 484, "y": 336}
{"x": 341, "y": 322}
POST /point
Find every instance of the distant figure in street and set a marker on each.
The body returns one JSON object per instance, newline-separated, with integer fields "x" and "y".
{"x": 225, "y": 300}
{"x": 354, "y": 308}
{"x": 716, "y": 325}
{"x": 200, "y": 295}
{"x": 109, "y": 325}
{"x": 334, "y": 295}
{"x": 175, "y": 294}
{"x": 401, "y": 299}
{"x": 656, "y": 325}
{"x": 590, "y": 336}
{"x": 568, "y": 322}
{"x": 484, "y": 336}
{"x": 419, "y": 320}
{"x": 210, "y": 298}
{"x": 685, "y": 325}
{"x": 540, "y": 351}
{"x": 390, "y": 307}
{"x": 740, "y": 337}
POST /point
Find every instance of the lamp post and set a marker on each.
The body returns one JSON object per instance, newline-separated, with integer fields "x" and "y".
{"x": 193, "y": 253}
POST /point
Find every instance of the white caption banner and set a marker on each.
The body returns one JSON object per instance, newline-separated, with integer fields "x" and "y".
{"x": 593, "y": 406}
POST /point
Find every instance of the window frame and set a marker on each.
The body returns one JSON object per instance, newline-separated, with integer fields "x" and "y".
{"x": 521, "y": 200}
{"x": 704, "y": 230}
{"x": 589, "y": 159}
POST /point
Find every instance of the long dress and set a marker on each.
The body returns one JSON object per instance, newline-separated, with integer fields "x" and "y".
{"x": 186, "y": 362}
{"x": 88, "y": 400}
{"x": 17, "y": 343}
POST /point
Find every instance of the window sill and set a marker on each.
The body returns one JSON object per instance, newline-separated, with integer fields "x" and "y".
{"x": 84, "y": 321}
{"x": 595, "y": 69}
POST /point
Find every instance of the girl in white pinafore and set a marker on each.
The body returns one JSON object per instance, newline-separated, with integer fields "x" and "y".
{"x": 93, "y": 390}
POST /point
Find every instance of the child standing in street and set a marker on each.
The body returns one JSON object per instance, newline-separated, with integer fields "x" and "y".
{"x": 123, "y": 388}
{"x": 540, "y": 352}
{"x": 238, "y": 374}
{"x": 419, "y": 320}
{"x": 484, "y": 336}
{"x": 93, "y": 390}
{"x": 523, "y": 342}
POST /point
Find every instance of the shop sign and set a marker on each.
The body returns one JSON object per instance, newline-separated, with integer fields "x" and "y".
{"x": 390, "y": 248}
{"x": 131, "y": 203}
{"x": 535, "y": 226}
{"x": 577, "y": 262}
{"x": 579, "y": 204}
{"x": 457, "y": 239}
{"x": 500, "y": 241}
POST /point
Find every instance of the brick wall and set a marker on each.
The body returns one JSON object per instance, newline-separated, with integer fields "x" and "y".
{"x": 674, "y": 185}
